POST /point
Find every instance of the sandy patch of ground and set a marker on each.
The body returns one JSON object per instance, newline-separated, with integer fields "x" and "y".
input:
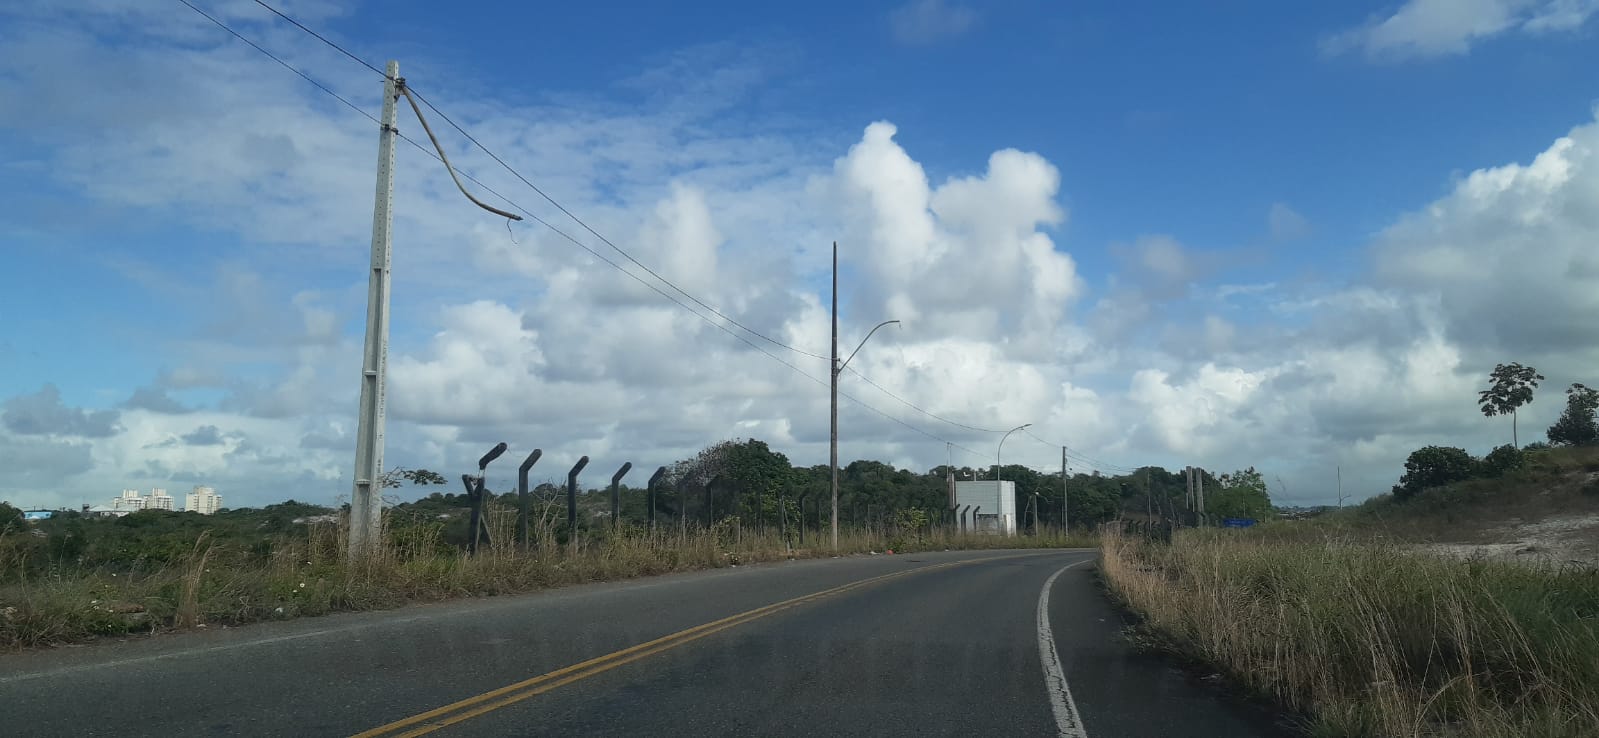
{"x": 1569, "y": 539}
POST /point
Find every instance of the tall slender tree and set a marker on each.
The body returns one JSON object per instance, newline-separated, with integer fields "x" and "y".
{"x": 1511, "y": 389}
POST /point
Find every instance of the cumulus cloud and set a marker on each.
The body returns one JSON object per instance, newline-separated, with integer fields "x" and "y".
{"x": 927, "y": 21}
{"x": 205, "y": 435}
{"x": 1435, "y": 28}
{"x": 43, "y": 413}
{"x": 1171, "y": 360}
{"x": 1509, "y": 253}
{"x": 155, "y": 398}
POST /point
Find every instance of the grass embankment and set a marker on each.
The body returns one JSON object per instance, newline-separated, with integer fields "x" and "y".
{"x": 306, "y": 575}
{"x": 1371, "y": 640}
{"x": 1554, "y": 482}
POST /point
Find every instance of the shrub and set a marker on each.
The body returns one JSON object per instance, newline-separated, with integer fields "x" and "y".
{"x": 10, "y": 518}
{"x": 1434, "y": 466}
{"x": 1503, "y": 460}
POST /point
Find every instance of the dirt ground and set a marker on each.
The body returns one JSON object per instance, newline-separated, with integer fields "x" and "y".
{"x": 1566, "y": 539}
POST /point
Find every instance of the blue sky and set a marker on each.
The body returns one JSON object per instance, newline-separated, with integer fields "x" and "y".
{"x": 1256, "y": 216}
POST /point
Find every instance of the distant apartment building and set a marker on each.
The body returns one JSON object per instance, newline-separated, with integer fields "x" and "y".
{"x": 158, "y": 500}
{"x": 203, "y": 500}
{"x": 128, "y": 501}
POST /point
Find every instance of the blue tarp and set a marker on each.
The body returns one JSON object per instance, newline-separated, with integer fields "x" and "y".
{"x": 1237, "y": 522}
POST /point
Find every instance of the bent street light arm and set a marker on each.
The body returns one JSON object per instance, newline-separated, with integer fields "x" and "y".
{"x": 863, "y": 343}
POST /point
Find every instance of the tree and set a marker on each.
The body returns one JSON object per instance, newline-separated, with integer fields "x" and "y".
{"x": 1242, "y": 495}
{"x": 11, "y": 518}
{"x": 1503, "y": 460}
{"x": 1577, "y": 426}
{"x": 1434, "y": 466}
{"x": 1511, "y": 389}
{"x": 399, "y": 475}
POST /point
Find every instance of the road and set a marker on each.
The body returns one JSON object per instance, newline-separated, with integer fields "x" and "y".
{"x": 947, "y": 643}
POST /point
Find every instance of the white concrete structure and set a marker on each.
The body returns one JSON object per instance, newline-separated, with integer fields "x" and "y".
{"x": 993, "y": 506}
{"x": 203, "y": 500}
{"x": 104, "y": 511}
{"x": 158, "y": 500}
{"x": 128, "y": 501}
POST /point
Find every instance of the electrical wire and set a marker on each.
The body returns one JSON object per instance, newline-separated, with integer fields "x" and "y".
{"x": 568, "y": 213}
{"x": 532, "y": 216}
{"x": 606, "y": 240}
{"x": 318, "y": 36}
{"x": 915, "y": 407}
{"x": 406, "y": 91}
{"x": 284, "y": 64}
{"x": 1094, "y": 463}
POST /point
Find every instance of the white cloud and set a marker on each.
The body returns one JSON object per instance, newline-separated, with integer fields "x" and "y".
{"x": 536, "y": 343}
{"x": 1434, "y": 28}
{"x": 927, "y": 21}
{"x": 1286, "y": 224}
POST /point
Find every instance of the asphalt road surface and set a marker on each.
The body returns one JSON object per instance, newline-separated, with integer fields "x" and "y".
{"x": 994, "y": 643}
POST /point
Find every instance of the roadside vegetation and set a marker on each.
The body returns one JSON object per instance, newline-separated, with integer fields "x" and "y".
{"x": 226, "y": 580}
{"x": 1371, "y": 639}
{"x": 72, "y": 577}
{"x": 1352, "y": 619}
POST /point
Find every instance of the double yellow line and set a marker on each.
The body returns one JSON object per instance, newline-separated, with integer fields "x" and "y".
{"x": 471, "y": 707}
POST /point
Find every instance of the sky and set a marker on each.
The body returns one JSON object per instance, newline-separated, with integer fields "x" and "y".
{"x": 1295, "y": 238}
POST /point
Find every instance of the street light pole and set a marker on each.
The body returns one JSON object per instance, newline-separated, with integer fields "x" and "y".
{"x": 835, "y": 368}
{"x": 999, "y": 482}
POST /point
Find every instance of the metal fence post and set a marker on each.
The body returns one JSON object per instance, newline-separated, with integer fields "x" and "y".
{"x": 475, "y": 494}
{"x": 523, "y": 499}
{"x": 649, "y": 494}
{"x": 571, "y": 499}
{"x": 616, "y": 495}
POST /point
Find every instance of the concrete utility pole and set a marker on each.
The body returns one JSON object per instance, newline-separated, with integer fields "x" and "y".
{"x": 1188, "y": 488}
{"x": 366, "y": 502}
{"x": 1340, "y": 471}
{"x": 832, "y": 446}
{"x": 835, "y": 369}
{"x": 1065, "y": 503}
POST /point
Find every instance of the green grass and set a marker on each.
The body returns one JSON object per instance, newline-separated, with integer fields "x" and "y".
{"x": 234, "y": 582}
{"x": 1372, "y": 640}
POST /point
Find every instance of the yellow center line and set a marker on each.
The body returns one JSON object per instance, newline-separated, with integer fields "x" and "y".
{"x": 471, "y": 707}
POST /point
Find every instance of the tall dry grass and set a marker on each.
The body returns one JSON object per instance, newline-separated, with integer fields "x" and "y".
{"x": 1372, "y": 640}
{"x": 309, "y": 574}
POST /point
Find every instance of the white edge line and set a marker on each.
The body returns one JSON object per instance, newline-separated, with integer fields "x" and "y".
{"x": 1067, "y": 721}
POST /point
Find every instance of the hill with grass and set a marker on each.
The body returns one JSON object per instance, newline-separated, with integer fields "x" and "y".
{"x": 1541, "y": 505}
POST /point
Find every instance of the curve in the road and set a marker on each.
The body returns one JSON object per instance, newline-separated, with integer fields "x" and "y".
{"x": 1061, "y": 703}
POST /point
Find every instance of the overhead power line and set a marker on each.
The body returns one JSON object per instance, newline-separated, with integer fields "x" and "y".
{"x": 607, "y": 241}
{"x": 534, "y": 217}
{"x": 547, "y": 197}
{"x": 281, "y": 62}
{"x": 318, "y": 36}
{"x": 918, "y": 408}
{"x": 1073, "y": 455}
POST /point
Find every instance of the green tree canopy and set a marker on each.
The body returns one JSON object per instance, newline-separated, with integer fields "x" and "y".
{"x": 1577, "y": 425}
{"x": 1511, "y": 389}
{"x": 10, "y": 518}
{"x": 1434, "y": 466}
{"x": 1242, "y": 494}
